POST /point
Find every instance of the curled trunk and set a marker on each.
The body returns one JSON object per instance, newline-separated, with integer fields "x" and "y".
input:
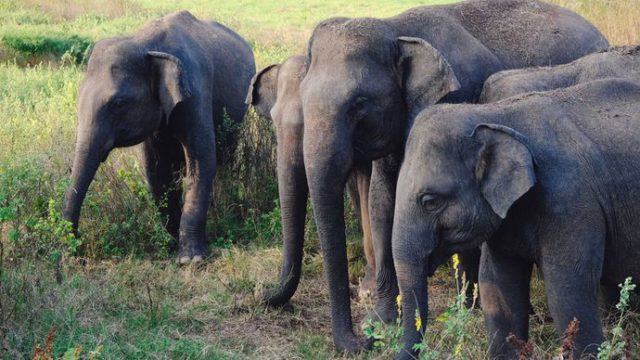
{"x": 293, "y": 192}
{"x": 412, "y": 279}
{"x": 90, "y": 152}
{"x": 412, "y": 244}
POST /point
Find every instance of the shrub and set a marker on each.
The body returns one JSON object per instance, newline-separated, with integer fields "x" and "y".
{"x": 616, "y": 346}
{"x": 120, "y": 217}
{"x": 30, "y": 215}
{"x": 31, "y": 45}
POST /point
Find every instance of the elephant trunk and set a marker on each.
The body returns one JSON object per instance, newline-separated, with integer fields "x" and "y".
{"x": 293, "y": 192}
{"x": 328, "y": 158}
{"x": 410, "y": 254}
{"x": 412, "y": 279}
{"x": 91, "y": 149}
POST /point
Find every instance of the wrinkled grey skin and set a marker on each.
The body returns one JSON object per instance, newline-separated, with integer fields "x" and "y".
{"x": 274, "y": 92}
{"x": 621, "y": 62}
{"x": 165, "y": 86}
{"x": 365, "y": 79}
{"x": 547, "y": 178}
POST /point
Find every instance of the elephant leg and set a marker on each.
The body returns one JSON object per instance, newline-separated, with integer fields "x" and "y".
{"x": 354, "y": 195}
{"x": 358, "y": 190}
{"x": 382, "y": 192}
{"x": 469, "y": 266}
{"x": 571, "y": 262}
{"x": 572, "y": 292}
{"x": 164, "y": 167}
{"x": 504, "y": 289}
{"x": 200, "y": 155}
{"x": 363, "y": 181}
{"x": 609, "y": 297}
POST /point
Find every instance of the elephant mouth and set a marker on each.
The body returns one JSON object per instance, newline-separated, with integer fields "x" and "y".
{"x": 434, "y": 263}
{"x": 442, "y": 253}
{"x": 371, "y": 151}
{"x": 461, "y": 240}
{"x": 435, "y": 259}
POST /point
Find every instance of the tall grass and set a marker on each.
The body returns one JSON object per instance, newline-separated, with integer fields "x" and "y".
{"x": 71, "y": 9}
{"x": 618, "y": 20}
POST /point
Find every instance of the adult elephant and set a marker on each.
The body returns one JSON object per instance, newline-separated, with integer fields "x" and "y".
{"x": 168, "y": 86}
{"x": 549, "y": 178}
{"x": 275, "y": 94}
{"x": 621, "y": 62}
{"x": 365, "y": 79}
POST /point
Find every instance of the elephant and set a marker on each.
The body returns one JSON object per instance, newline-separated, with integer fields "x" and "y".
{"x": 274, "y": 93}
{"x": 365, "y": 81}
{"x": 168, "y": 86}
{"x": 623, "y": 62}
{"x": 545, "y": 178}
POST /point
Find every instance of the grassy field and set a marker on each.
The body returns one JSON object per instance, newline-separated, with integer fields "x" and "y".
{"x": 115, "y": 292}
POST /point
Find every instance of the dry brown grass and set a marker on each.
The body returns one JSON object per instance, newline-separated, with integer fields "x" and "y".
{"x": 619, "y": 20}
{"x": 71, "y": 9}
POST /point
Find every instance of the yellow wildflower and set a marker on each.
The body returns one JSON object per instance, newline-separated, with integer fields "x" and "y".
{"x": 399, "y": 301}
{"x": 442, "y": 317}
{"x": 418, "y": 321}
{"x": 456, "y": 261}
{"x": 457, "y": 350}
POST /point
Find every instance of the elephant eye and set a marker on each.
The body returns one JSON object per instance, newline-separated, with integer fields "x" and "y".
{"x": 359, "y": 108}
{"x": 360, "y": 100}
{"x": 431, "y": 202}
{"x": 117, "y": 103}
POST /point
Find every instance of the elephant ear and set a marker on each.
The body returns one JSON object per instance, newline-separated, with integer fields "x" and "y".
{"x": 504, "y": 166}
{"x": 263, "y": 90}
{"x": 169, "y": 80}
{"x": 426, "y": 76}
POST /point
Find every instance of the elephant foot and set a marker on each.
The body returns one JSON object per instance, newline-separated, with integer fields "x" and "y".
{"x": 404, "y": 355}
{"x": 275, "y": 297}
{"x": 384, "y": 311}
{"x": 351, "y": 344}
{"x": 191, "y": 254}
{"x": 186, "y": 260}
{"x": 367, "y": 288}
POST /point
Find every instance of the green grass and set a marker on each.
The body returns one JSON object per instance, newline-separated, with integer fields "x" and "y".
{"x": 276, "y": 29}
{"x": 128, "y": 310}
{"x": 115, "y": 292}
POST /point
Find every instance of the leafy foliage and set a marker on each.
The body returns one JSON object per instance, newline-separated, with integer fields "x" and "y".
{"x": 616, "y": 346}
{"x": 74, "y": 46}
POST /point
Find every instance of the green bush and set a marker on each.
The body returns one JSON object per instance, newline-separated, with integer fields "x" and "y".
{"x": 120, "y": 218}
{"x": 40, "y": 44}
{"x": 616, "y": 346}
{"x": 119, "y": 215}
{"x": 29, "y": 213}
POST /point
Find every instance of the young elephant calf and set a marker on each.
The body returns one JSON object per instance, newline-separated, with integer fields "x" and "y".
{"x": 548, "y": 178}
{"x": 169, "y": 86}
{"x": 275, "y": 93}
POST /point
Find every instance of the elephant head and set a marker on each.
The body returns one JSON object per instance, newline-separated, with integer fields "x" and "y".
{"x": 274, "y": 92}
{"x": 126, "y": 94}
{"x": 456, "y": 185}
{"x": 362, "y": 83}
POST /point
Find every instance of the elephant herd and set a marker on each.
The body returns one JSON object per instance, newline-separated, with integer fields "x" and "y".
{"x": 506, "y": 131}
